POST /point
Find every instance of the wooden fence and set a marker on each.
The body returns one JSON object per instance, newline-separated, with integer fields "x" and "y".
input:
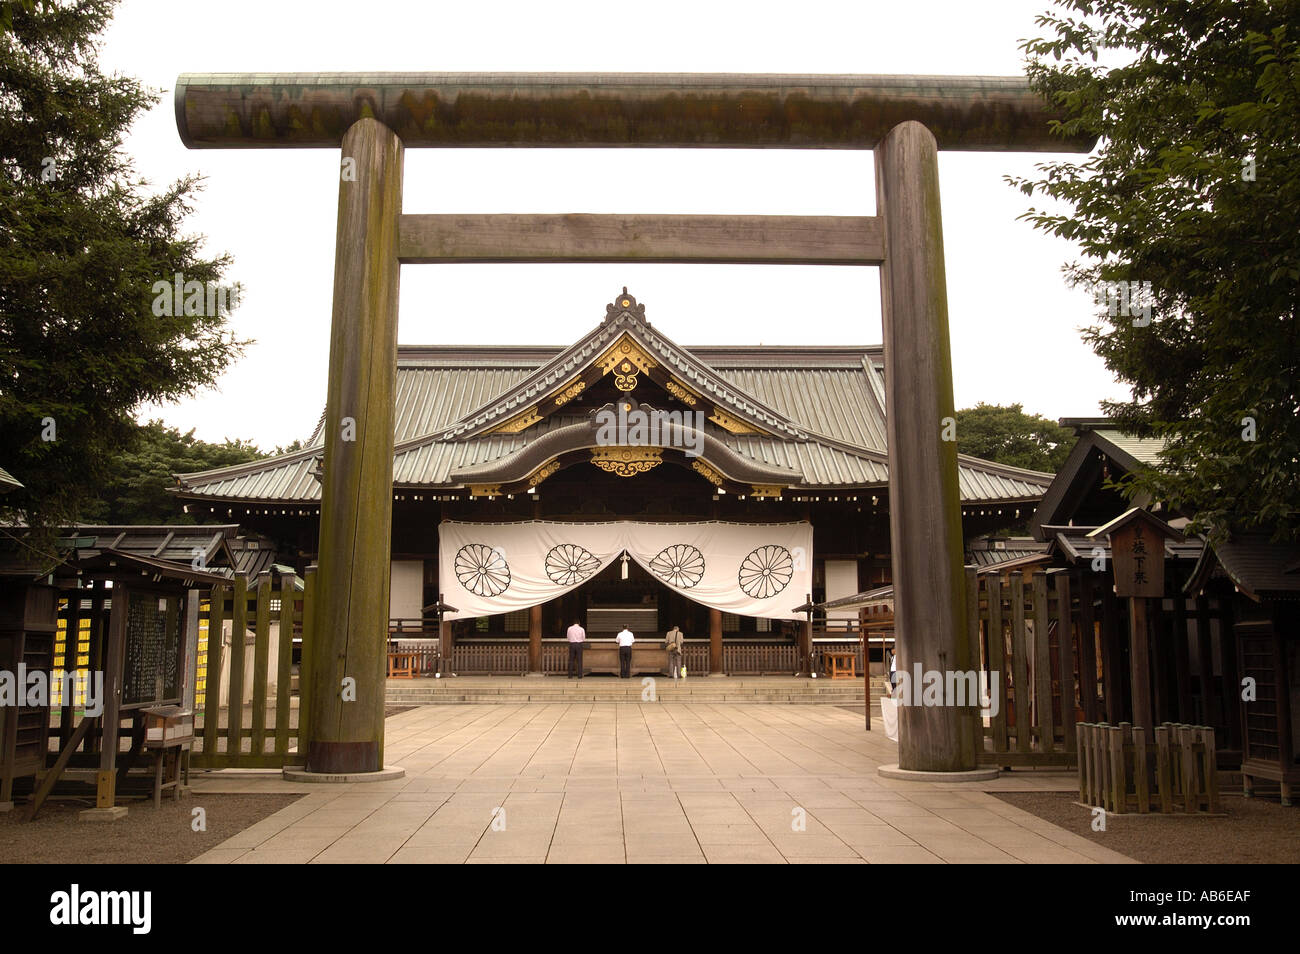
{"x": 261, "y": 733}
{"x": 757, "y": 659}
{"x": 1116, "y": 770}
{"x": 484, "y": 657}
{"x": 1022, "y": 636}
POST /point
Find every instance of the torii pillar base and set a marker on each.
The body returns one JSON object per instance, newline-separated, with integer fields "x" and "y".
{"x": 907, "y": 775}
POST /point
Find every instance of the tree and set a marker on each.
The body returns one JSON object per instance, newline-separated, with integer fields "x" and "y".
{"x": 85, "y": 250}
{"x": 1009, "y": 436}
{"x": 136, "y": 488}
{"x": 1194, "y": 189}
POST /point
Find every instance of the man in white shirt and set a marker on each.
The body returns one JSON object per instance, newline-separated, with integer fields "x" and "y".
{"x": 577, "y": 637}
{"x": 625, "y": 640}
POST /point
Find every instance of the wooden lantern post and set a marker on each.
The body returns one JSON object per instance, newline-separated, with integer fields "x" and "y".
{"x": 1137, "y": 549}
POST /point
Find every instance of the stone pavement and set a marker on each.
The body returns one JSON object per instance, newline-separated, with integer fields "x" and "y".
{"x": 614, "y": 783}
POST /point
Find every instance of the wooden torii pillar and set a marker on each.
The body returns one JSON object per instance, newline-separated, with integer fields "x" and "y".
{"x": 906, "y": 119}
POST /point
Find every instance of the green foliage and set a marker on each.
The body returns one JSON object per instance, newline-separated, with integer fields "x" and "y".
{"x": 82, "y": 242}
{"x": 136, "y": 488}
{"x": 1009, "y": 436}
{"x": 1195, "y": 188}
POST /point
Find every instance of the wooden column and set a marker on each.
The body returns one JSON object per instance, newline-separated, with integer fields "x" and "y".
{"x": 535, "y": 639}
{"x": 445, "y": 646}
{"x": 716, "y": 667}
{"x": 110, "y": 721}
{"x": 805, "y": 647}
{"x": 357, "y": 493}
{"x": 1139, "y": 657}
{"x": 924, "y": 498}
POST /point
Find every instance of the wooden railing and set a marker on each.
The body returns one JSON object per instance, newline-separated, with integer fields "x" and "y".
{"x": 759, "y": 659}
{"x": 221, "y": 732}
{"x": 490, "y": 658}
{"x": 1013, "y": 625}
{"x": 1116, "y": 771}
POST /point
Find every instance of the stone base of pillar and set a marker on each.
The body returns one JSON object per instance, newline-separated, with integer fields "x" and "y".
{"x": 110, "y": 814}
{"x": 385, "y": 774}
{"x": 911, "y": 775}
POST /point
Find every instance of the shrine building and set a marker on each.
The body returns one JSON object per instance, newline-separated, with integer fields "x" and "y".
{"x": 622, "y": 480}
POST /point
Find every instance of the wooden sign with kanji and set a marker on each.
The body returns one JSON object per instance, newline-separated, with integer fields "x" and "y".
{"x": 1137, "y": 552}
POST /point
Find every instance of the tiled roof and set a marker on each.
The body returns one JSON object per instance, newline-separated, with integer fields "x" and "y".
{"x": 822, "y": 409}
{"x": 8, "y": 481}
{"x": 1258, "y": 567}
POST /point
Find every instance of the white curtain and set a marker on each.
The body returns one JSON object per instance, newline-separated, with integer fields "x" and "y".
{"x": 745, "y": 568}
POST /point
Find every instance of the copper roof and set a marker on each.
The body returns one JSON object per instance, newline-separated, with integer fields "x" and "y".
{"x": 818, "y": 412}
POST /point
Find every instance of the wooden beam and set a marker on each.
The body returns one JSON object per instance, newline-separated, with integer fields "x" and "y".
{"x": 49, "y": 778}
{"x": 351, "y": 611}
{"x": 700, "y": 239}
{"x": 667, "y": 110}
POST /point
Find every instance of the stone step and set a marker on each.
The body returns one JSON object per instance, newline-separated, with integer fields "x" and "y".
{"x": 700, "y": 700}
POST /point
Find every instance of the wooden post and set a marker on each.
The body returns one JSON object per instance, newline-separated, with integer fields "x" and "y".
{"x": 1182, "y": 656}
{"x": 114, "y": 659}
{"x": 924, "y": 498}
{"x": 261, "y": 661}
{"x": 535, "y": 639}
{"x": 212, "y": 691}
{"x": 1205, "y": 660}
{"x": 238, "y": 646}
{"x": 1140, "y": 775}
{"x": 98, "y": 646}
{"x": 1140, "y": 665}
{"x": 284, "y": 665}
{"x": 1020, "y": 666}
{"x": 1087, "y": 650}
{"x": 1043, "y": 666}
{"x": 1164, "y": 769}
{"x": 1065, "y": 654}
{"x": 716, "y": 667}
{"x": 347, "y": 718}
{"x": 997, "y": 661}
{"x": 446, "y": 645}
{"x": 304, "y": 664}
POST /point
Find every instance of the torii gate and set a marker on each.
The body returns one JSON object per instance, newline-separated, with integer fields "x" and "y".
{"x": 373, "y": 117}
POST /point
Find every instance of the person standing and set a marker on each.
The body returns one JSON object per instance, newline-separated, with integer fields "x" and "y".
{"x": 625, "y": 640}
{"x": 674, "y": 644}
{"x": 577, "y": 637}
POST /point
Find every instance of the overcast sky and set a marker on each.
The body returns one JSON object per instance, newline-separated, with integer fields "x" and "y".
{"x": 1014, "y": 323}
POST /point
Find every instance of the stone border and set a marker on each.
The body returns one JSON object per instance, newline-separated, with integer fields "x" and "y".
{"x": 910, "y": 775}
{"x": 386, "y": 774}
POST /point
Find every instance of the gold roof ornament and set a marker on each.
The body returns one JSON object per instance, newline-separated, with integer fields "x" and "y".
{"x": 627, "y": 461}
{"x": 709, "y": 474}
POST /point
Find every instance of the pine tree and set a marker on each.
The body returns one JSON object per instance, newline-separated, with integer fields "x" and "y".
{"x": 83, "y": 243}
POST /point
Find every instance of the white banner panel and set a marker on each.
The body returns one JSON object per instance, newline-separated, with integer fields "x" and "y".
{"x": 745, "y": 568}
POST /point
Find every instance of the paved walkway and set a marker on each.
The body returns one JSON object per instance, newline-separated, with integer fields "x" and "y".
{"x": 574, "y": 782}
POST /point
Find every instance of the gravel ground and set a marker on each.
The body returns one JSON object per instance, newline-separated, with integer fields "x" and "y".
{"x": 144, "y": 836}
{"x": 1255, "y": 831}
